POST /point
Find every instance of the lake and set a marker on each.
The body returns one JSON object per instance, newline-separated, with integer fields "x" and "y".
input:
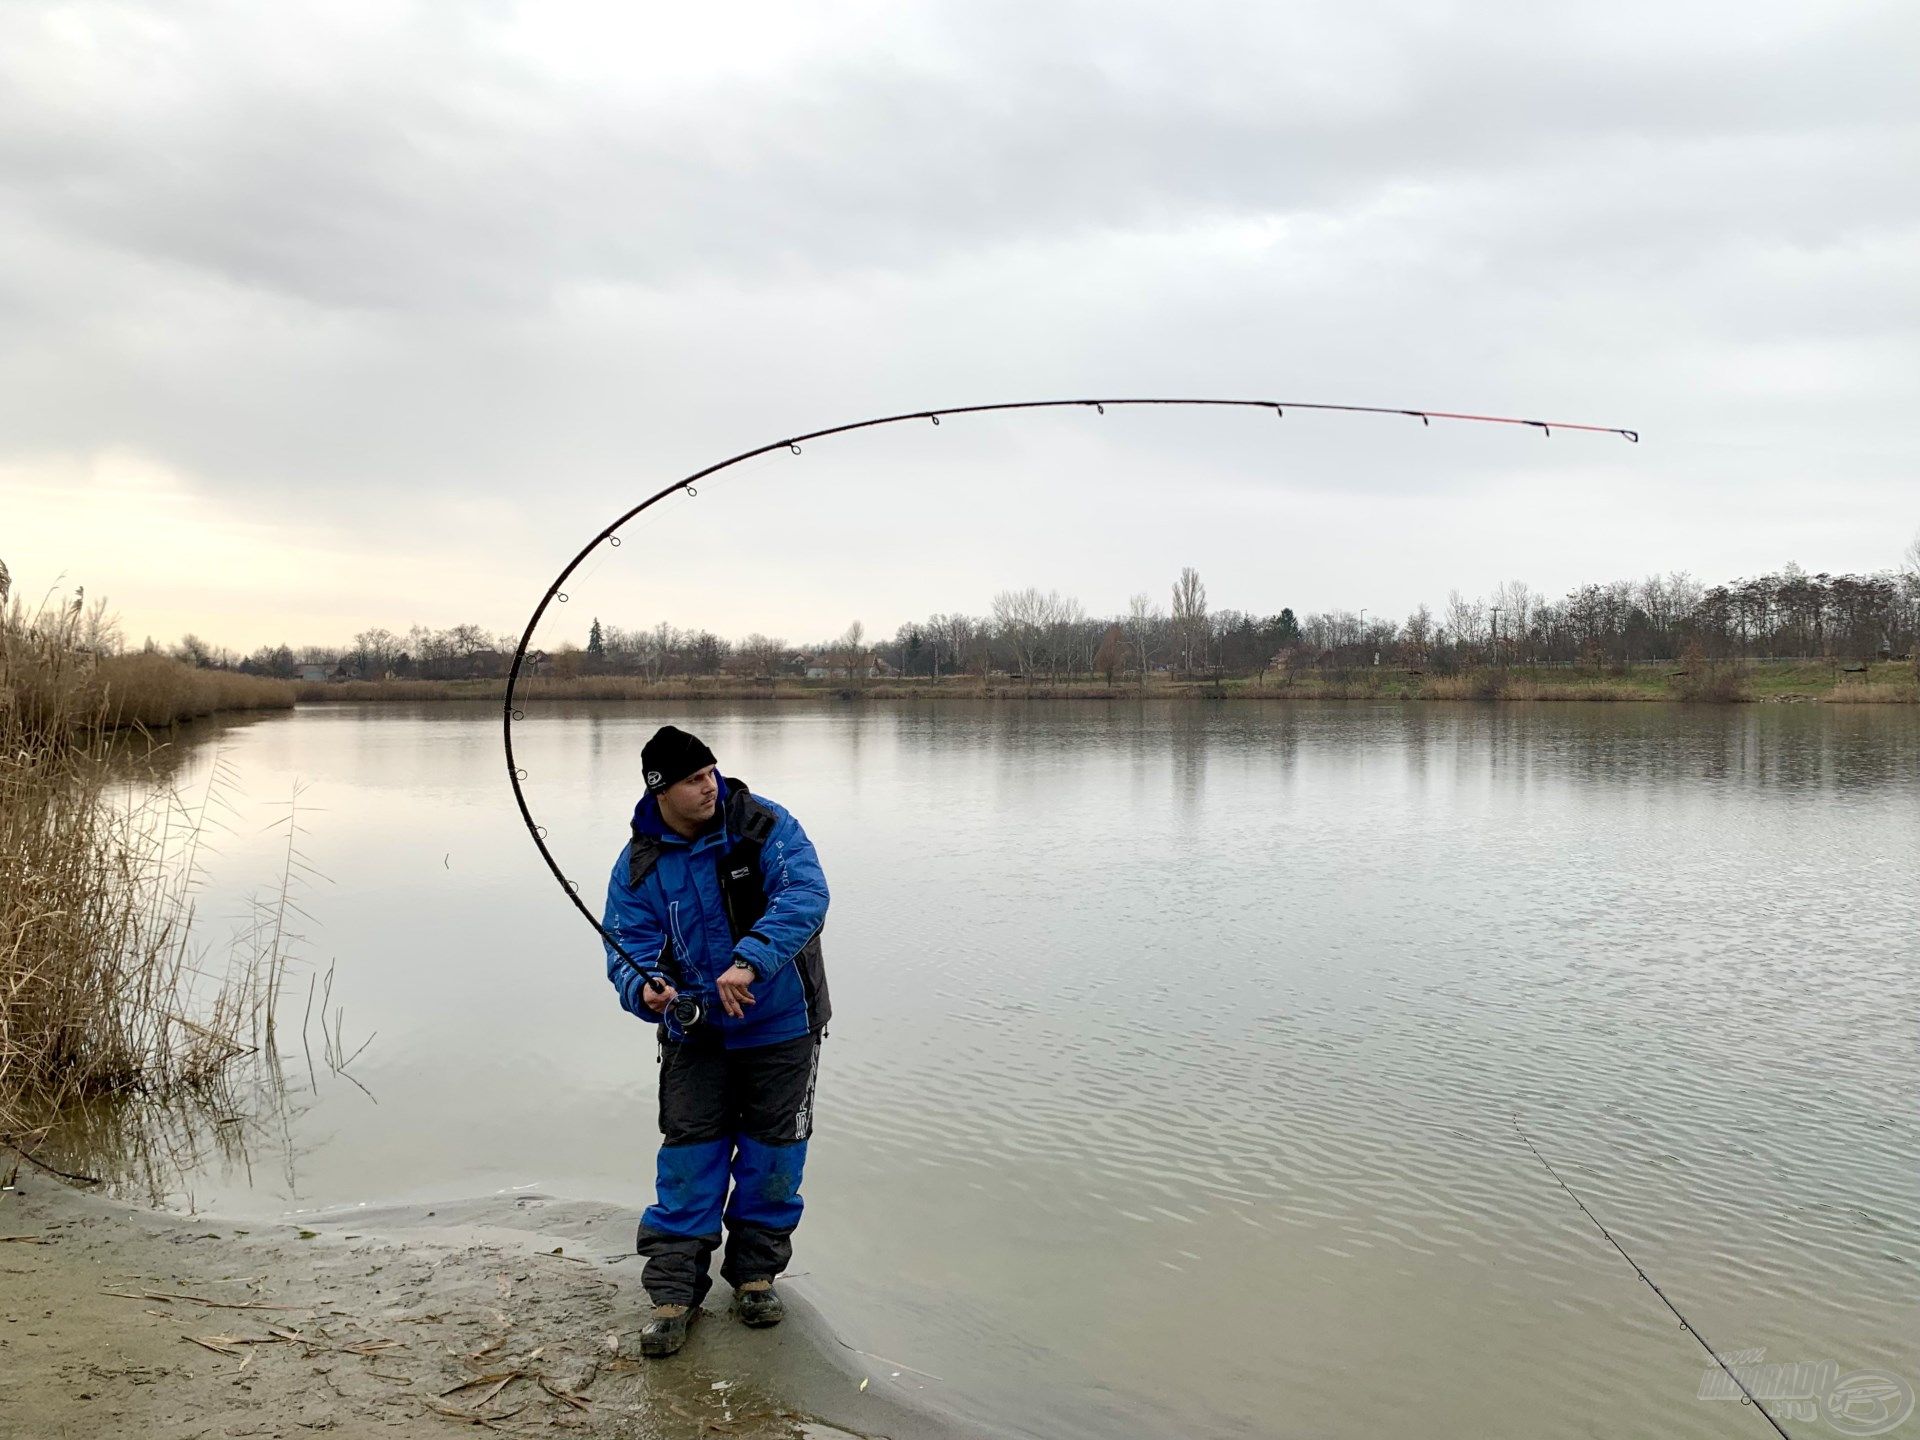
{"x": 1178, "y": 1045}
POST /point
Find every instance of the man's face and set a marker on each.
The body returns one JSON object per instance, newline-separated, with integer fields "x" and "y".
{"x": 689, "y": 803}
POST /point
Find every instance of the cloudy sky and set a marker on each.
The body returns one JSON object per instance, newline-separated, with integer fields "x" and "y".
{"x": 317, "y": 317}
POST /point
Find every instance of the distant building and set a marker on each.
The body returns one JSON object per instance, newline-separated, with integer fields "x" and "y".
{"x": 316, "y": 672}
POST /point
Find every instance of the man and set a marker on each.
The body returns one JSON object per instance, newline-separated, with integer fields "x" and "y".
{"x": 719, "y": 898}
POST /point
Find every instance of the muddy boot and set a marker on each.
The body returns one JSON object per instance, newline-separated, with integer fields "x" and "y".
{"x": 666, "y": 1332}
{"x": 756, "y": 1304}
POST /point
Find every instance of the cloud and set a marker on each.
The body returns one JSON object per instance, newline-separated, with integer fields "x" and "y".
{"x": 375, "y": 270}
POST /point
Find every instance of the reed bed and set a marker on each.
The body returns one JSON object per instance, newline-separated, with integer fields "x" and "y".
{"x": 156, "y": 691}
{"x": 101, "y": 994}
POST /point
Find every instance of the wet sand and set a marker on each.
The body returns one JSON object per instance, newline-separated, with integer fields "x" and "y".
{"x": 516, "y": 1313}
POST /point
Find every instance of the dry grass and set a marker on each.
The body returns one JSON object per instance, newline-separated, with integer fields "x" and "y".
{"x": 156, "y": 691}
{"x": 100, "y": 994}
{"x": 577, "y": 687}
{"x": 1876, "y": 692}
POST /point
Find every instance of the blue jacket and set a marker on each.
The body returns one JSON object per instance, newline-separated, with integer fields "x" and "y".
{"x": 704, "y": 903}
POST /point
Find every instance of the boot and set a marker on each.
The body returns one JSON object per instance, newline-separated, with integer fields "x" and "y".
{"x": 756, "y": 1304}
{"x": 666, "y": 1332}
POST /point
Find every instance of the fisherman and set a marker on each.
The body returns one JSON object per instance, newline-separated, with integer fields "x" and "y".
{"x": 715, "y": 907}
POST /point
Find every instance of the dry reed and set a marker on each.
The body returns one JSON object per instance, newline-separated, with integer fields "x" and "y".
{"x": 155, "y": 691}
{"x": 100, "y": 994}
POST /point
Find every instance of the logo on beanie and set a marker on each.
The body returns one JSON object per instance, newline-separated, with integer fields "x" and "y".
{"x": 653, "y": 779}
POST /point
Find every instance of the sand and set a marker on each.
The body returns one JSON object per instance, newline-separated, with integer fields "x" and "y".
{"x": 515, "y": 1314}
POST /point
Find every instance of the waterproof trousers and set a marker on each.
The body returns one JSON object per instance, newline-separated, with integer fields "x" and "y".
{"x": 739, "y": 1116}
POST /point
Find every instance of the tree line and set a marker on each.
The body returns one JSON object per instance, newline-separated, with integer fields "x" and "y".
{"x": 1035, "y": 634}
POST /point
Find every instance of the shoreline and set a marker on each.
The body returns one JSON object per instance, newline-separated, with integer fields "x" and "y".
{"x": 1882, "y": 682}
{"x": 509, "y": 1312}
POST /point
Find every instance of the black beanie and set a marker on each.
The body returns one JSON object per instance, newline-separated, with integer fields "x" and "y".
{"x": 672, "y": 755}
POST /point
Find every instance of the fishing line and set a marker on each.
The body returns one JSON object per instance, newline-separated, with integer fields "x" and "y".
{"x": 1749, "y": 1398}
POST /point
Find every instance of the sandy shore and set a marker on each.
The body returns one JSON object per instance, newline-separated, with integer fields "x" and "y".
{"x": 518, "y": 1314}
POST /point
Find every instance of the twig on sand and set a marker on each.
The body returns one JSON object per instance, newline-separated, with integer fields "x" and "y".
{"x": 379, "y": 1345}
{"x": 203, "y": 1300}
{"x": 223, "y": 1344}
{"x": 497, "y": 1382}
{"x": 24, "y": 1240}
{"x": 579, "y": 1402}
{"x": 467, "y": 1417}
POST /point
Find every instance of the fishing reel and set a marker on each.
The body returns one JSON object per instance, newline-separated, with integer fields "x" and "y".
{"x": 684, "y": 1010}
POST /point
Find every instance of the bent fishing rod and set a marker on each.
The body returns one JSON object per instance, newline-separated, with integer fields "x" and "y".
{"x": 610, "y": 537}
{"x": 524, "y": 658}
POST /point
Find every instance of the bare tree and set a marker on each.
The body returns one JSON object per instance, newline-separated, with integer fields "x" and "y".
{"x": 764, "y": 653}
{"x": 192, "y": 650}
{"x": 1112, "y": 653}
{"x": 374, "y": 651}
{"x": 1910, "y": 585}
{"x": 1419, "y": 628}
{"x": 960, "y": 636}
{"x": 1142, "y": 621}
{"x": 99, "y": 631}
{"x": 852, "y": 650}
{"x": 1020, "y": 618}
{"x": 1516, "y": 603}
{"x": 1466, "y": 619}
{"x": 708, "y": 652}
{"x": 1065, "y": 623}
{"x": 1190, "y": 617}
{"x": 933, "y": 634}
{"x": 468, "y": 640}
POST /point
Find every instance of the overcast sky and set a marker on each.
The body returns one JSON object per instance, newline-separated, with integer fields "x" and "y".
{"x": 316, "y": 317}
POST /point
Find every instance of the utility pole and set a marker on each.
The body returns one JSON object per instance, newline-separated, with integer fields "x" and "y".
{"x": 1495, "y": 609}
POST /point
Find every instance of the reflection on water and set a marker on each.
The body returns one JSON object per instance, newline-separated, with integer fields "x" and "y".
{"x": 243, "y": 1122}
{"x": 152, "y": 1150}
{"x": 1177, "y": 1048}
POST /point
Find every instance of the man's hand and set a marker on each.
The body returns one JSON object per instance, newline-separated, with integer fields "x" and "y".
{"x": 732, "y": 985}
{"x": 657, "y": 997}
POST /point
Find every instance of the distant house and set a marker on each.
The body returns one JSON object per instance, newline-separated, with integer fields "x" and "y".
{"x": 316, "y": 672}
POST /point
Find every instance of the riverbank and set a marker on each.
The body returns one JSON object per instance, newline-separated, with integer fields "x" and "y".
{"x": 507, "y": 1314}
{"x": 1882, "y": 682}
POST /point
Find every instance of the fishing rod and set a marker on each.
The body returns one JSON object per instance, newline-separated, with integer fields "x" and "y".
{"x": 1749, "y": 1398}
{"x": 609, "y": 536}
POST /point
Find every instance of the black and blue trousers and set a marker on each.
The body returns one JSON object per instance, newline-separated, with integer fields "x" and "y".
{"x": 734, "y": 1127}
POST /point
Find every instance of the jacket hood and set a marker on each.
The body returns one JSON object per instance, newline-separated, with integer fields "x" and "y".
{"x": 646, "y": 815}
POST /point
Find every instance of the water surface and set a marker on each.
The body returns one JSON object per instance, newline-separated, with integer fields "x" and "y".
{"x": 1177, "y": 1048}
